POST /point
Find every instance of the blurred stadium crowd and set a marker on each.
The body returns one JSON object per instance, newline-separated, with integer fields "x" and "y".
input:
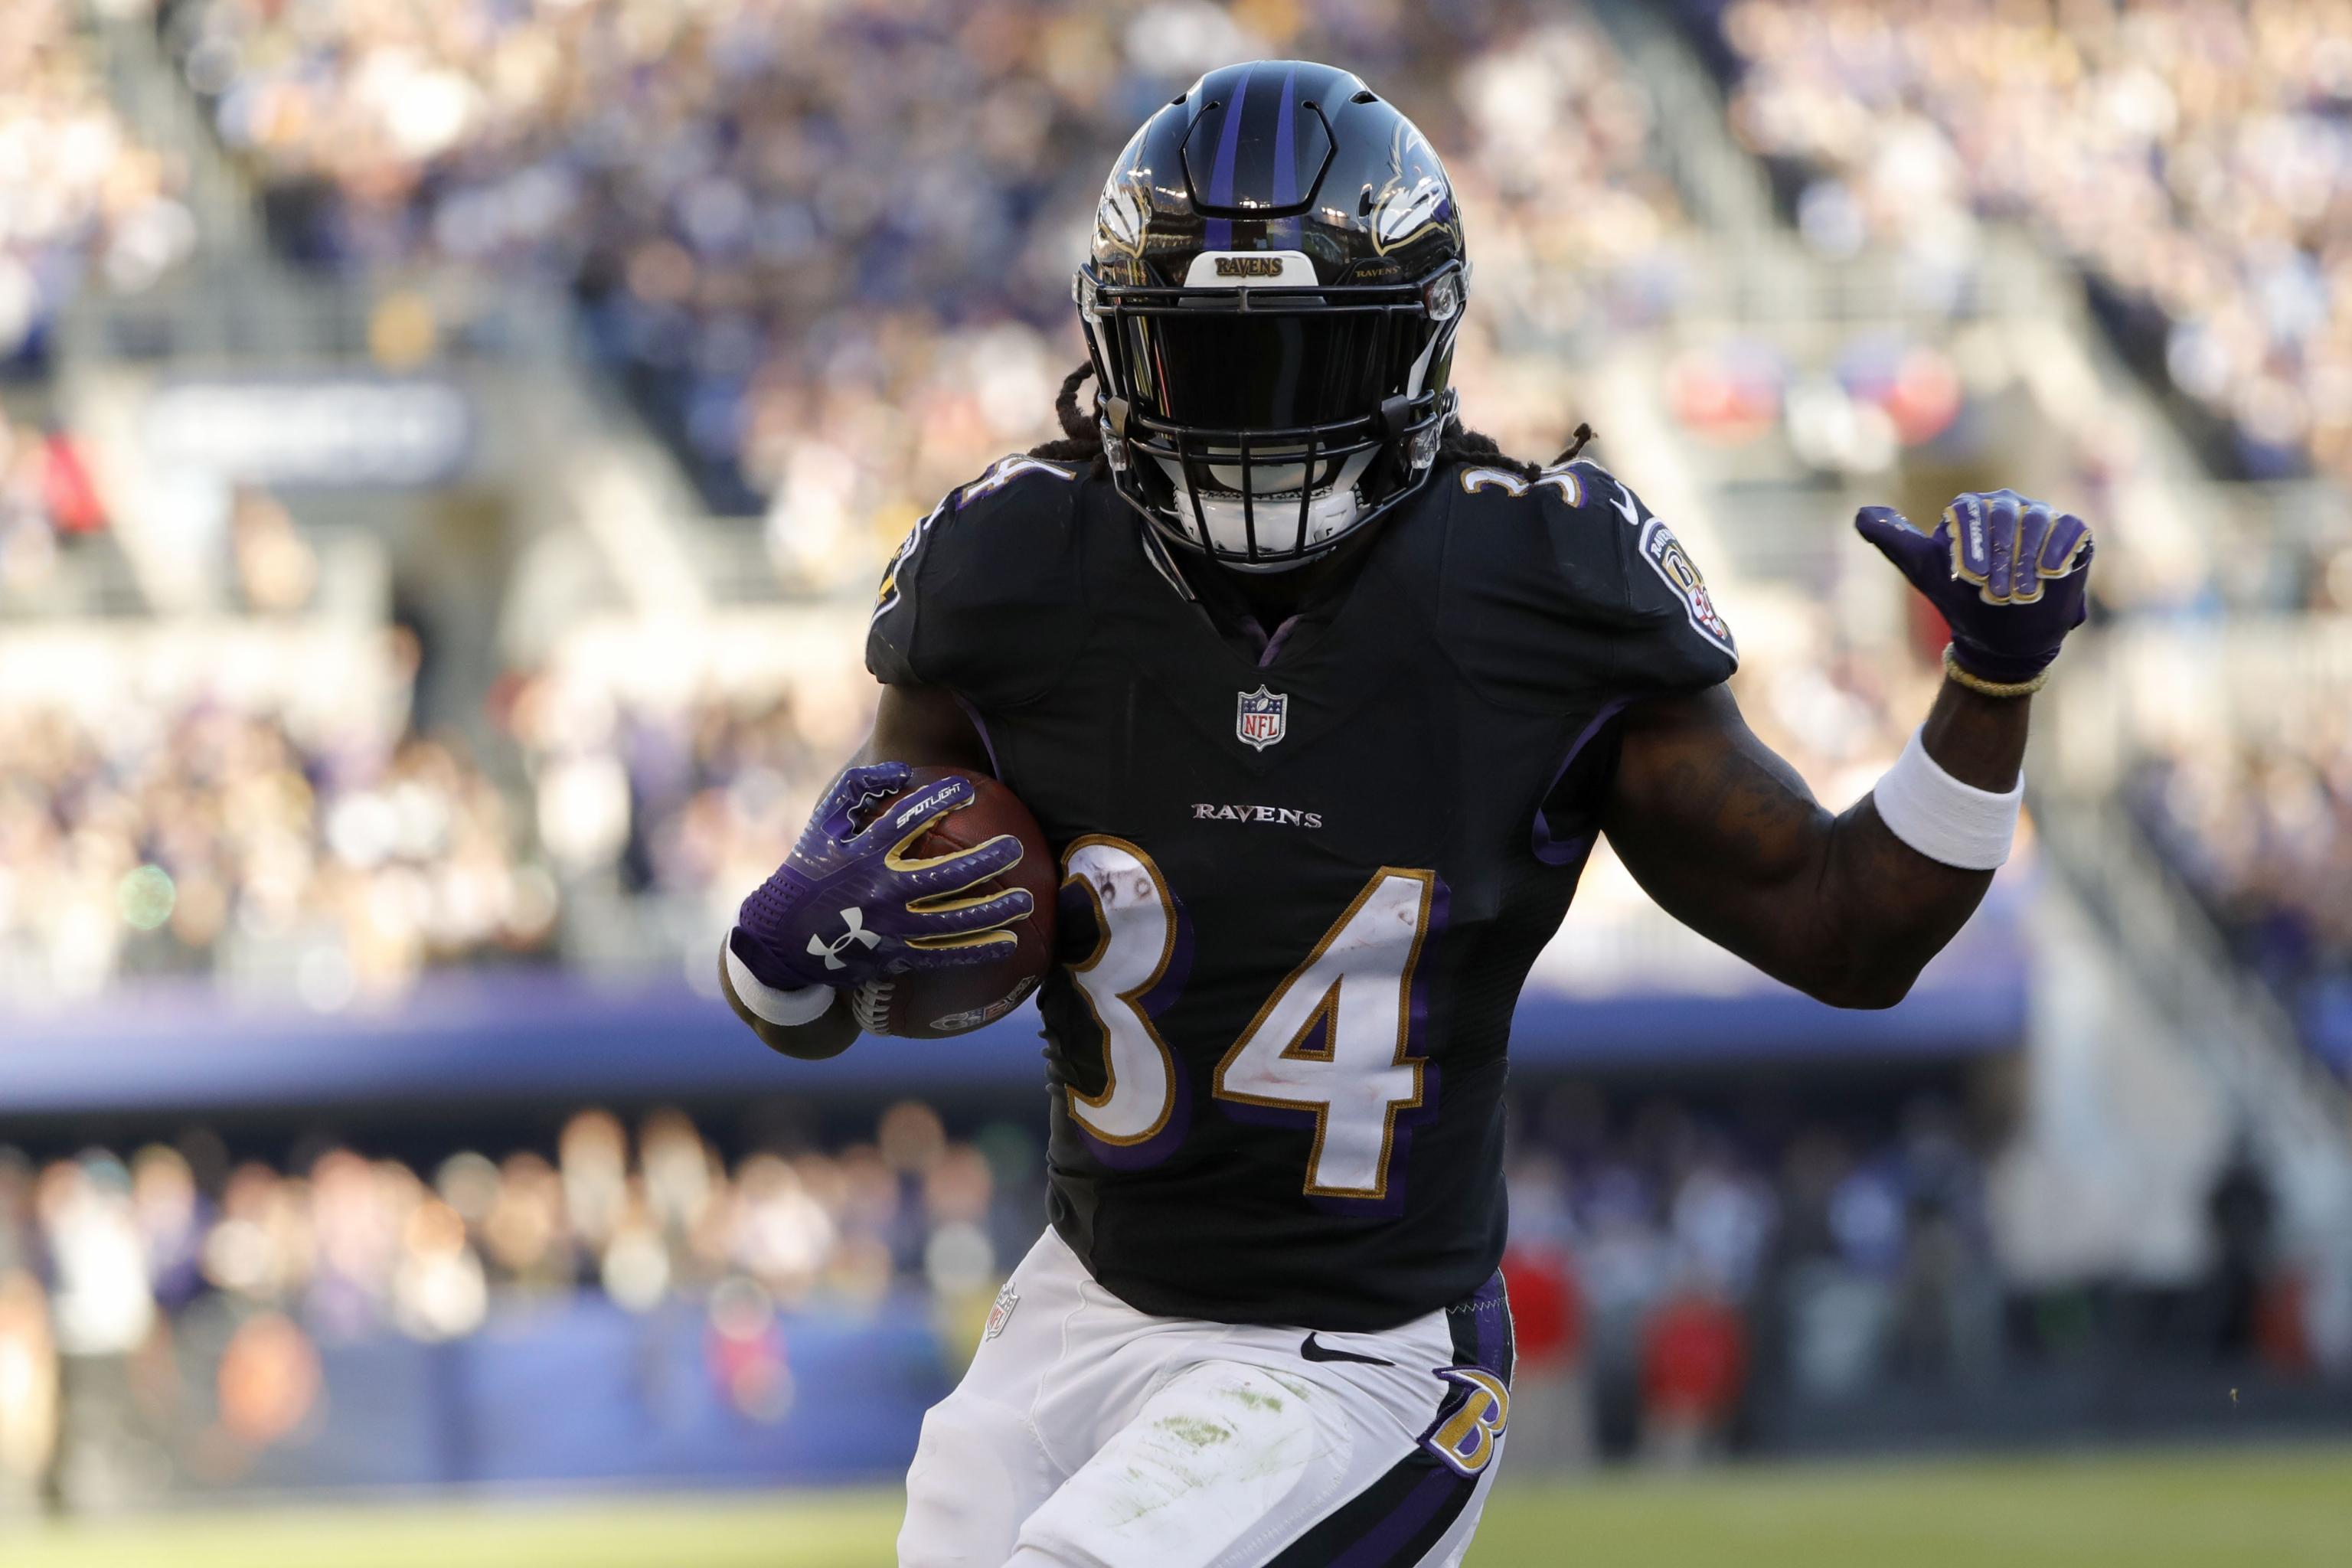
{"x": 135, "y": 841}
{"x": 83, "y": 196}
{"x": 163, "y": 1314}
{"x": 2261, "y": 830}
{"x": 2190, "y": 156}
{"x": 1684, "y": 1269}
{"x": 686, "y": 802}
{"x": 828, "y": 246}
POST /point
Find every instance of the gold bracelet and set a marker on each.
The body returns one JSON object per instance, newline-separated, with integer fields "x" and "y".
{"x": 1983, "y": 687}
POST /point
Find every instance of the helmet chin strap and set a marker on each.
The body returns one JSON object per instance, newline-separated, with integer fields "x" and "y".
{"x": 1328, "y": 517}
{"x": 1329, "y": 514}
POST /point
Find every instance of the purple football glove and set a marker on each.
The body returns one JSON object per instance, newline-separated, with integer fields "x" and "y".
{"x": 849, "y": 904}
{"x": 2011, "y": 575}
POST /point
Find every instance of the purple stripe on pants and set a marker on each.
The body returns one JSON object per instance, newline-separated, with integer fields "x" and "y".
{"x": 1490, "y": 1325}
{"x": 1379, "y": 1544}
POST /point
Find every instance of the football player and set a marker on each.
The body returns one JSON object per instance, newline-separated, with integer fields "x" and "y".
{"x": 1322, "y": 702}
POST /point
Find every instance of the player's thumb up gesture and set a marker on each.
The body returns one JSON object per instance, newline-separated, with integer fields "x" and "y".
{"x": 2011, "y": 577}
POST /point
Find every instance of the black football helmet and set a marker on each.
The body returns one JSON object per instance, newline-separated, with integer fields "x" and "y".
{"x": 1276, "y": 280}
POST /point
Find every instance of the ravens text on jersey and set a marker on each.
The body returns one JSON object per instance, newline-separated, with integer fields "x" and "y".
{"x": 1304, "y": 873}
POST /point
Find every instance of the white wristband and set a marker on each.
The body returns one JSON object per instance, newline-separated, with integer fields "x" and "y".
{"x": 785, "y": 1009}
{"x": 1942, "y": 818}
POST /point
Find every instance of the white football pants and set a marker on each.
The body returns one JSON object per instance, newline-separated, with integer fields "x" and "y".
{"x": 1088, "y": 1435}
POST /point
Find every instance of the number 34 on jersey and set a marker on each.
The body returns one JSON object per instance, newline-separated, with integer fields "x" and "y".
{"x": 1333, "y": 1041}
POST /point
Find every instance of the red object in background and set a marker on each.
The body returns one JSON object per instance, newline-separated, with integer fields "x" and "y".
{"x": 67, "y": 489}
{"x": 2281, "y": 1325}
{"x": 1924, "y": 398}
{"x": 1694, "y": 1358}
{"x": 1547, "y": 1307}
{"x": 1729, "y": 394}
{"x": 1915, "y": 384}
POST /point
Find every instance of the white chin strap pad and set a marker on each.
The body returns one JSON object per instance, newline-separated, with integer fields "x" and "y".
{"x": 1329, "y": 514}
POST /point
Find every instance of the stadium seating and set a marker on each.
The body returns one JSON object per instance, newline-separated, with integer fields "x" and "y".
{"x": 837, "y": 277}
{"x": 85, "y": 198}
{"x": 2183, "y": 155}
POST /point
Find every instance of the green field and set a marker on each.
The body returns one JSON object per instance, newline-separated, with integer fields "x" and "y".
{"x": 2279, "y": 1508}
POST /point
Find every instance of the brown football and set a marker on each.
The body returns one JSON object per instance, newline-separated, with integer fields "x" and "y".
{"x": 957, "y": 1001}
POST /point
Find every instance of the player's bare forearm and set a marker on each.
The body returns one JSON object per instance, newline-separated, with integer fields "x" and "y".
{"x": 919, "y": 726}
{"x": 1728, "y": 838}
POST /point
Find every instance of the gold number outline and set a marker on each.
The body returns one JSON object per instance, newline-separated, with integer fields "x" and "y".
{"x": 1292, "y": 1051}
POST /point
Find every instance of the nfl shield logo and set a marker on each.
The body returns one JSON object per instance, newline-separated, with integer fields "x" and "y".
{"x": 1001, "y": 1313}
{"x": 1260, "y": 716}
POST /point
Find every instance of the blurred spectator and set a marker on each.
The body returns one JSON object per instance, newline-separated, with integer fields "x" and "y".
{"x": 104, "y": 1302}
{"x": 1694, "y": 1371}
{"x": 28, "y": 1391}
{"x": 277, "y": 571}
{"x": 46, "y": 499}
{"x": 103, "y": 1308}
{"x": 2242, "y": 1213}
{"x": 269, "y": 1381}
{"x": 1551, "y": 1394}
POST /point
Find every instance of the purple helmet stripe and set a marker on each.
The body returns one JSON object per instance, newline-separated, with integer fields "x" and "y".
{"x": 1229, "y": 141}
{"x": 1285, "y": 165}
{"x": 1220, "y": 234}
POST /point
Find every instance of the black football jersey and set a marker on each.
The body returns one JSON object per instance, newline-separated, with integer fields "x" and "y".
{"x": 1304, "y": 873}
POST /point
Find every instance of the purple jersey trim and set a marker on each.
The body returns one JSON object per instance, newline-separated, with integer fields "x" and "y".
{"x": 987, "y": 744}
{"x": 1569, "y": 851}
{"x": 1273, "y": 644}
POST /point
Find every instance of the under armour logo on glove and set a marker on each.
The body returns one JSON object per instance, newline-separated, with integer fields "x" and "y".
{"x": 855, "y": 919}
{"x": 852, "y": 873}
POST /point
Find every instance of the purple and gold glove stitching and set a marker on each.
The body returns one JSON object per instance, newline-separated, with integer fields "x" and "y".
{"x": 2009, "y": 576}
{"x": 849, "y": 905}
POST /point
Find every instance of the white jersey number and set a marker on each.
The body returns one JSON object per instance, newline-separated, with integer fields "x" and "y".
{"x": 1334, "y": 1041}
{"x": 1137, "y": 923}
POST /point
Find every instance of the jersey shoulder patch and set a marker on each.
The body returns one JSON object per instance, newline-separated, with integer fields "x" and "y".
{"x": 1665, "y": 554}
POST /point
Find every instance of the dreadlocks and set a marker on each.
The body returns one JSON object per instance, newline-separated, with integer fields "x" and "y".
{"x": 1082, "y": 438}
